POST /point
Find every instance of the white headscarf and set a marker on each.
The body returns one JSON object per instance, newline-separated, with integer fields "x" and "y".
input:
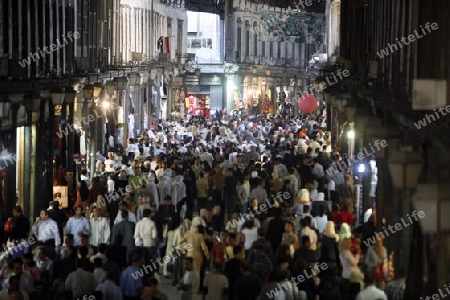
{"x": 330, "y": 231}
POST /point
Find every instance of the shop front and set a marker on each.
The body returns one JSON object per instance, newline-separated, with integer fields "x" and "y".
{"x": 198, "y": 101}
{"x": 204, "y": 94}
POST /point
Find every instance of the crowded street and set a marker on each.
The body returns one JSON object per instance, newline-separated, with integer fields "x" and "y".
{"x": 224, "y": 150}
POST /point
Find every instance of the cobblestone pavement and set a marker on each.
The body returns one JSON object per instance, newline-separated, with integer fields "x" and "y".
{"x": 166, "y": 286}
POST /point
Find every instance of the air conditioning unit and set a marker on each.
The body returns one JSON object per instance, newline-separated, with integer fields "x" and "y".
{"x": 429, "y": 94}
{"x": 373, "y": 69}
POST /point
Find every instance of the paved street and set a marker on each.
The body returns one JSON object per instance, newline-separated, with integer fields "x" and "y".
{"x": 168, "y": 289}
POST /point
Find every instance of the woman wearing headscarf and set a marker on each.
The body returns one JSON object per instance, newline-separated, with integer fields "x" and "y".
{"x": 330, "y": 242}
{"x": 349, "y": 259}
{"x": 199, "y": 251}
{"x": 345, "y": 232}
{"x": 179, "y": 237}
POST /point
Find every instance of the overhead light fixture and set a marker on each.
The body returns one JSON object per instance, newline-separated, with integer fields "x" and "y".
{"x": 88, "y": 91}
{"x": 122, "y": 83}
{"x": 110, "y": 87}
{"x": 32, "y": 101}
{"x": 98, "y": 89}
{"x": 70, "y": 95}
{"x": 58, "y": 96}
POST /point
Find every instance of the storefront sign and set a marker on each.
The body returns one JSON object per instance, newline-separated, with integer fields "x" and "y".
{"x": 197, "y": 89}
{"x": 210, "y": 79}
{"x": 177, "y": 81}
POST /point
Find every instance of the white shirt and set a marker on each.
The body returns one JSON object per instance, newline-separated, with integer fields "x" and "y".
{"x": 131, "y": 217}
{"x": 233, "y": 158}
{"x": 100, "y": 231}
{"x": 110, "y": 184}
{"x": 317, "y": 170}
{"x": 251, "y": 235}
{"x": 145, "y": 233}
{"x": 371, "y": 292}
{"x": 47, "y": 230}
{"x": 349, "y": 263}
{"x": 88, "y": 181}
{"x": 132, "y": 148}
{"x": 192, "y": 278}
{"x": 109, "y": 165}
{"x": 313, "y": 195}
{"x": 312, "y": 237}
{"x": 321, "y": 223}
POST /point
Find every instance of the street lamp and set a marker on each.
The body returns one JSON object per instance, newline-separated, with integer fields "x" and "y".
{"x": 32, "y": 101}
{"x": 121, "y": 82}
{"x": 405, "y": 167}
{"x": 98, "y": 89}
{"x": 110, "y": 88}
{"x": 70, "y": 94}
{"x": 88, "y": 92}
{"x": 58, "y": 96}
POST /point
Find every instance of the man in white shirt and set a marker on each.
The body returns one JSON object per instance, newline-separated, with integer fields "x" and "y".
{"x": 110, "y": 184}
{"x": 47, "y": 233}
{"x": 190, "y": 282}
{"x": 306, "y": 230}
{"x": 317, "y": 169}
{"x": 233, "y": 157}
{"x": 78, "y": 225}
{"x": 145, "y": 235}
{"x": 100, "y": 230}
{"x": 85, "y": 178}
{"x": 110, "y": 163}
{"x": 124, "y": 206}
{"x": 206, "y": 156}
{"x": 371, "y": 292}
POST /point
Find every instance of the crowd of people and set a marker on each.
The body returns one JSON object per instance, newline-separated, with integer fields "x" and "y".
{"x": 251, "y": 203}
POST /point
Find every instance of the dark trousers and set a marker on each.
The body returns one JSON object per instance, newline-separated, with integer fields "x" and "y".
{"x": 149, "y": 254}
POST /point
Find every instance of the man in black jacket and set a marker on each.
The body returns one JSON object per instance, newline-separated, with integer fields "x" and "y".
{"x": 20, "y": 225}
{"x": 58, "y": 215}
{"x": 275, "y": 230}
